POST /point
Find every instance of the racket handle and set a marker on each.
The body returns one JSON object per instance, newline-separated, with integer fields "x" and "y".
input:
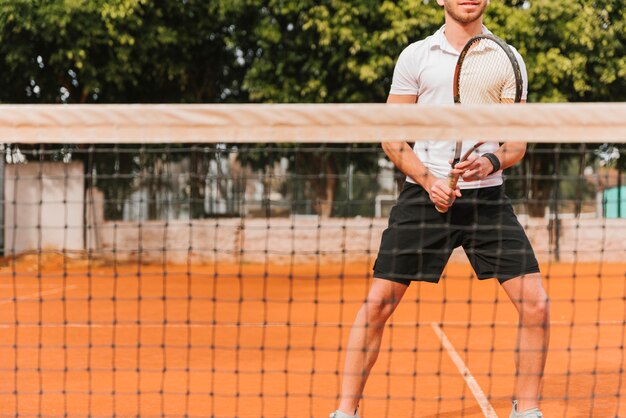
{"x": 452, "y": 181}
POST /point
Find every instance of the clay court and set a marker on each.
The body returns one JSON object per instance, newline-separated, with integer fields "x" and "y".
{"x": 249, "y": 340}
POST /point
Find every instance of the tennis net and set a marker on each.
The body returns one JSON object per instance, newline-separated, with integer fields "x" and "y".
{"x": 209, "y": 260}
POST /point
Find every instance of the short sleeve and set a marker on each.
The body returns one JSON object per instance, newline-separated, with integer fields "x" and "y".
{"x": 404, "y": 77}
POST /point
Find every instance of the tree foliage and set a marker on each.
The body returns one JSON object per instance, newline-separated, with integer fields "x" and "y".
{"x": 332, "y": 51}
{"x": 574, "y": 51}
{"x": 282, "y": 51}
{"x": 82, "y": 51}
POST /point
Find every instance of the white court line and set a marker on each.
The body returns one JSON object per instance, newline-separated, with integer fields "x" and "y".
{"x": 37, "y": 295}
{"x": 26, "y": 286}
{"x": 478, "y": 393}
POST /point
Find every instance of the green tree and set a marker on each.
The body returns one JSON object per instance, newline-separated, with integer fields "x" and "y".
{"x": 116, "y": 51}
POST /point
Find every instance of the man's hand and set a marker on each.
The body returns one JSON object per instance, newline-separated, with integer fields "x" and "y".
{"x": 441, "y": 194}
{"x": 474, "y": 168}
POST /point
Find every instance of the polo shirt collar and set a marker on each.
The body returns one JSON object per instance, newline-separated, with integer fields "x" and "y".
{"x": 440, "y": 41}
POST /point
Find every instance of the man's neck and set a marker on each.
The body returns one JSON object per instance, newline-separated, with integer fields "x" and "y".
{"x": 458, "y": 34}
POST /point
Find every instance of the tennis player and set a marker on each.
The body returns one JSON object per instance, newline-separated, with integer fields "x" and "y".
{"x": 419, "y": 239}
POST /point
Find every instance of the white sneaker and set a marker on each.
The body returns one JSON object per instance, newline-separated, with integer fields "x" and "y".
{"x": 339, "y": 414}
{"x": 531, "y": 413}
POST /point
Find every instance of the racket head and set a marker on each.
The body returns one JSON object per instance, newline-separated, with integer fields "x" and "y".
{"x": 487, "y": 71}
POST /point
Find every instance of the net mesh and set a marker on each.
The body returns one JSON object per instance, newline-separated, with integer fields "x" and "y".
{"x": 221, "y": 278}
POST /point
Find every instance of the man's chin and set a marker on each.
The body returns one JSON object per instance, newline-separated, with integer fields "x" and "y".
{"x": 466, "y": 18}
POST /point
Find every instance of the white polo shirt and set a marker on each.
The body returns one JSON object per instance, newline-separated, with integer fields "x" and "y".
{"x": 426, "y": 69}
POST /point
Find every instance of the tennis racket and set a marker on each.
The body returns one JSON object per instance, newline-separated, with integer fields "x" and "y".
{"x": 487, "y": 71}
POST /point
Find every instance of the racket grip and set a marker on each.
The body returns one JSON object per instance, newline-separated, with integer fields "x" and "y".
{"x": 452, "y": 181}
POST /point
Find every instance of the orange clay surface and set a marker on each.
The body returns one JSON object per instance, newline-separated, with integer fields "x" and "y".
{"x": 251, "y": 340}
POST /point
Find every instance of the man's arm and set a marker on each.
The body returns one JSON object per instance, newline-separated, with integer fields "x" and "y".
{"x": 477, "y": 168}
{"x": 401, "y": 154}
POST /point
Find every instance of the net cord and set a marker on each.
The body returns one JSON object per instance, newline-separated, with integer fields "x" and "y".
{"x": 311, "y": 123}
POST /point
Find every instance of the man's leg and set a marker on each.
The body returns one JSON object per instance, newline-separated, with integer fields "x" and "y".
{"x": 530, "y": 299}
{"x": 365, "y": 338}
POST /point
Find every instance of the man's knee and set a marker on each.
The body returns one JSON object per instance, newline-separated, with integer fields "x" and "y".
{"x": 382, "y": 300}
{"x": 535, "y": 311}
{"x": 379, "y": 309}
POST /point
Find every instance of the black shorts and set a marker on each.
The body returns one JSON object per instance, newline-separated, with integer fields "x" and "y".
{"x": 419, "y": 240}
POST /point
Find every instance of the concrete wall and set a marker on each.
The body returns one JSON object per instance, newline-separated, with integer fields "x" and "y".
{"x": 43, "y": 206}
{"x": 234, "y": 240}
{"x": 306, "y": 239}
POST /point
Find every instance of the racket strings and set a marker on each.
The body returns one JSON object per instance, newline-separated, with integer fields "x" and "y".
{"x": 486, "y": 74}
